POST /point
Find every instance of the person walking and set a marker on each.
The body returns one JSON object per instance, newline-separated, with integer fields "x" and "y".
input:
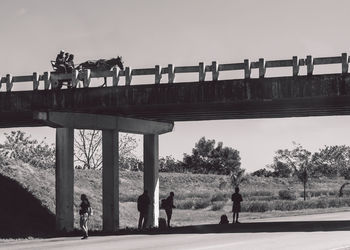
{"x": 168, "y": 206}
{"x": 236, "y": 206}
{"x": 84, "y": 212}
{"x": 143, "y": 202}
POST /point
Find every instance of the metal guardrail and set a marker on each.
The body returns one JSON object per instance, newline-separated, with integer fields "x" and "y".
{"x": 51, "y": 79}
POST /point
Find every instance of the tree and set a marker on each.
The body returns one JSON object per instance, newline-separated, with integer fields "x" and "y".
{"x": 19, "y": 146}
{"x": 237, "y": 177}
{"x": 88, "y": 150}
{"x": 299, "y": 159}
{"x": 208, "y": 158}
{"x": 332, "y": 161}
{"x": 263, "y": 172}
{"x": 169, "y": 164}
{"x": 281, "y": 169}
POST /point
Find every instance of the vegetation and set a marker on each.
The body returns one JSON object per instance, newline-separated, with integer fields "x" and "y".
{"x": 19, "y": 146}
{"x": 88, "y": 150}
{"x": 198, "y": 197}
{"x": 207, "y": 158}
{"x": 203, "y": 181}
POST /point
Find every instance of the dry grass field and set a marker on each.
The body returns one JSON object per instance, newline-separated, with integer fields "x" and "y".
{"x": 200, "y": 199}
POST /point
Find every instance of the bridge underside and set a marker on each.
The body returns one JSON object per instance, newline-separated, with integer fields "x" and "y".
{"x": 298, "y": 96}
{"x": 322, "y": 106}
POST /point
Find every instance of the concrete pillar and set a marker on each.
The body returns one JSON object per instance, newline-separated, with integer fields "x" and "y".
{"x": 150, "y": 175}
{"x": 110, "y": 180}
{"x": 64, "y": 179}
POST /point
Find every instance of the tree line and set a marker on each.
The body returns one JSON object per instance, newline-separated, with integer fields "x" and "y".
{"x": 207, "y": 157}
{"x": 329, "y": 161}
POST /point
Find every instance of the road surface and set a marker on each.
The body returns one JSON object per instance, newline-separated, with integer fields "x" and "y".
{"x": 322, "y": 231}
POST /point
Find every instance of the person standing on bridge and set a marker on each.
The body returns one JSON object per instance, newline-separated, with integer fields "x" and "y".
{"x": 142, "y": 206}
{"x": 85, "y": 211}
{"x": 236, "y": 206}
{"x": 168, "y": 206}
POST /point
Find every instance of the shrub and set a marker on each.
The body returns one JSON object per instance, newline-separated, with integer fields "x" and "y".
{"x": 217, "y": 206}
{"x": 257, "y": 193}
{"x": 185, "y": 204}
{"x": 255, "y": 206}
{"x": 218, "y": 197}
{"x": 287, "y": 195}
{"x": 201, "y": 203}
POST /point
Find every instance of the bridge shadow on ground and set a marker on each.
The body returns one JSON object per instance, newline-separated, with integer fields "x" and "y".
{"x": 21, "y": 214}
{"x": 261, "y": 227}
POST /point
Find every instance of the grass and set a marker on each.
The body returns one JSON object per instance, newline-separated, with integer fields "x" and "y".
{"x": 200, "y": 199}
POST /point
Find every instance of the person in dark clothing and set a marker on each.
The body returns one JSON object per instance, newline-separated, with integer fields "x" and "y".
{"x": 60, "y": 62}
{"x": 169, "y": 205}
{"x": 223, "y": 219}
{"x": 236, "y": 206}
{"x": 84, "y": 212}
{"x": 66, "y": 56}
{"x": 70, "y": 63}
{"x": 142, "y": 206}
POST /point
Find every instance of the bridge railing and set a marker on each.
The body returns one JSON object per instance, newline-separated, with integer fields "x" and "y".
{"x": 51, "y": 79}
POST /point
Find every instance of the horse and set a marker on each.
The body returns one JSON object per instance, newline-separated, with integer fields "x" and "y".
{"x": 101, "y": 65}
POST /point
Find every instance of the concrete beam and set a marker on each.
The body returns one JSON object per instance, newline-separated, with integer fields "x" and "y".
{"x": 110, "y": 180}
{"x": 64, "y": 179}
{"x": 103, "y": 122}
{"x": 151, "y": 176}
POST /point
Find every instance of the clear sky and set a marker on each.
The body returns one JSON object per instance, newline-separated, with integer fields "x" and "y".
{"x": 185, "y": 32}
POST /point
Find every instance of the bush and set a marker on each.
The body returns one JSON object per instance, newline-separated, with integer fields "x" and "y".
{"x": 217, "y": 206}
{"x": 185, "y": 204}
{"x": 287, "y": 195}
{"x": 19, "y": 146}
{"x": 256, "y": 206}
{"x": 218, "y": 197}
{"x": 257, "y": 193}
{"x": 201, "y": 203}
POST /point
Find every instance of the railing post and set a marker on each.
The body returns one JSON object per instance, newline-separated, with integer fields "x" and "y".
{"x": 75, "y": 78}
{"x": 9, "y": 83}
{"x": 295, "y": 66}
{"x": 35, "y": 81}
{"x": 128, "y": 76}
{"x": 215, "y": 71}
{"x": 87, "y": 78}
{"x": 310, "y": 66}
{"x": 344, "y": 63}
{"x": 201, "y": 72}
{"x": 246, "y": 69}
{"x": 171, "y": 73}
{"x": 46, "y": 80}
{"x": 158, "y": 74}
{"x": 115, "y": 76}
{"x": 262, "y": 68}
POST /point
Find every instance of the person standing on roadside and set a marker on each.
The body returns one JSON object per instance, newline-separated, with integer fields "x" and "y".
{"x": 168, "y": 206}
{"x": 236, "y": 206}
{"x": 84, "y": 212}
{"x": 142, "y": 206}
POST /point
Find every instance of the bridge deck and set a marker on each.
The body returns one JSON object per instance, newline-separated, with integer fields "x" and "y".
{"x": 295, "y": 96}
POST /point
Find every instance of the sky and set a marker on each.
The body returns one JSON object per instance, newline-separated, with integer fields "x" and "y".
{"x": 186, "y": 32}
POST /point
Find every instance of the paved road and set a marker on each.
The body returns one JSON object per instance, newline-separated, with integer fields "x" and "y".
{"x": 337, "y": 239}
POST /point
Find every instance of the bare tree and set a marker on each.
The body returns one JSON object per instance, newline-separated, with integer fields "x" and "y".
{"x": 88, "y": 149}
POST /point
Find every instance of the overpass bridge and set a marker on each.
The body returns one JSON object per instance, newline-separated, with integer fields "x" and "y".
{"x": 152, "y": 109}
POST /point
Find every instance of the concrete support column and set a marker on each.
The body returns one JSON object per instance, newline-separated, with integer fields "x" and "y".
{"x": 150, "y": 175}
{"x": 64, "y": 179}
{"x": 110, "y": 180}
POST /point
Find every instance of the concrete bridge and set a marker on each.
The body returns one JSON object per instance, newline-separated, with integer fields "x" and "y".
{"x": 152, "y": 109}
